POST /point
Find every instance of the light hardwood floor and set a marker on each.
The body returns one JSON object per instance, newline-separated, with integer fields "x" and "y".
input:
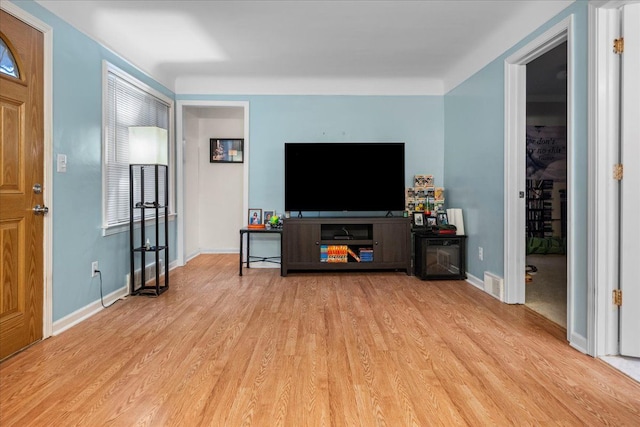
{"x": 345, "y": 349}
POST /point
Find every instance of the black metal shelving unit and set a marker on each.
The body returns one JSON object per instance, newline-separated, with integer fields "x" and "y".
{"x": 150, "y": 244}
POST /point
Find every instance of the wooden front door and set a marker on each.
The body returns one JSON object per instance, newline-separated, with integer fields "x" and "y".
{"x": 21, "y": 172}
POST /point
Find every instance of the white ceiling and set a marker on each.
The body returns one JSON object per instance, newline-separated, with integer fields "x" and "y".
{"x": 417, "y": 47}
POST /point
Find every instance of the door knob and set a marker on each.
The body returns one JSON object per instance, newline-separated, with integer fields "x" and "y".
{"x": 40, "y": 210}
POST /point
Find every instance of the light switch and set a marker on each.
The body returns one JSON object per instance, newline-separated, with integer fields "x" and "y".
{"x": 62, "y": 163}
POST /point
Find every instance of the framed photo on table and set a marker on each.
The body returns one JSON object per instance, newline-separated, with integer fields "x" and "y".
{"x": 418, "y": 219}
{"x": 267, "y": 216}
{"x": 255, "y": 217}
{"x": 442, "y": 218}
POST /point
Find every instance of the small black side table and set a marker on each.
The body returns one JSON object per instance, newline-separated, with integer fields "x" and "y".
{"x": 440, "y": 256}
{"x": 249, "y": 231}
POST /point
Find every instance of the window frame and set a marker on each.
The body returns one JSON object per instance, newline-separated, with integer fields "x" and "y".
{"x": 109, "y": 68}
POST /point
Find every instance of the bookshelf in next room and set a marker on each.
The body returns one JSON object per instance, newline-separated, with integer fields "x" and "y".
{"x": 539, "y": 208}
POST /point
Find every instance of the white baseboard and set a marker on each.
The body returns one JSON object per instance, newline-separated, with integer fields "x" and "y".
{"x": 579, "y": 342}
{"x": 220, "y": 251}
{"x": 211, "y": 251}
{"x": 191, "y": 256}
{"x": 85, "y": 312}
{"x": 478, "y": 283}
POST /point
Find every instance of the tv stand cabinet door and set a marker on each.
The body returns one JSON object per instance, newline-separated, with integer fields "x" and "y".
{"x": 301, "y": 245}
{"x": 393, "y": 243}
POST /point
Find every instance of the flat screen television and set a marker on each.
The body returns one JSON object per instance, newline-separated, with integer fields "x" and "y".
{"x": 344, "y": 176}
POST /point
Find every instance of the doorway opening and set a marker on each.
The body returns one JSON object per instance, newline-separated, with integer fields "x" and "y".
{"x": 546, "y": 185}
{"x": 213, "y": 197}
{"x": 515, "y": 240}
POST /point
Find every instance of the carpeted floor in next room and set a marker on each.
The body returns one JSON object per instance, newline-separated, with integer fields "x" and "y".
{"x": 547, "y": 292}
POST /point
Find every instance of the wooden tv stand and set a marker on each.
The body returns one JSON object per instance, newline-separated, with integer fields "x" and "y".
{"x": 387, "y": 238}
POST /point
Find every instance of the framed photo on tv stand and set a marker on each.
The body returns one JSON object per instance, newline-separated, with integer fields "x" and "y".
{"x": 418, "y": 219}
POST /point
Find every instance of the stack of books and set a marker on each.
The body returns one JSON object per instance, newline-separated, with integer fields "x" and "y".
{"x": 324, "y": 253}
{"x": 333, "y": 253}
{"x": 366, "y": 255}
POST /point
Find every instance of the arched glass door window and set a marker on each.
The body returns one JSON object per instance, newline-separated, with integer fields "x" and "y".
{"x": 8, "y": 63}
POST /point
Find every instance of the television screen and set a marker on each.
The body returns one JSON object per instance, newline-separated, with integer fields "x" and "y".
{"x": 346, "y": 176}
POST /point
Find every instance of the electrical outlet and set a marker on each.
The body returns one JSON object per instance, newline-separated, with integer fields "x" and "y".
{"x": 480, "y": 253}
{"x": 94, "y": 269}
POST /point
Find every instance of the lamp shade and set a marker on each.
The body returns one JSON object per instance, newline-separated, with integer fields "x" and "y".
{"x": 148, "y": 145}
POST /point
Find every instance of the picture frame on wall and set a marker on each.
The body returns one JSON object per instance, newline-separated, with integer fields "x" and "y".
{"x": 255, "y": 217}
{"x": 226, "y": 150}
{"x": 418, "y": 219}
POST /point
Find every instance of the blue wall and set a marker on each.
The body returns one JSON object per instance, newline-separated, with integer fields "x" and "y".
{"x": 457, "y": 137}
{"x": 418, "y": 121}
{"x": 474, "y": 170}
{"x": 77, "y": 194}
{"x": 474, "y": 153}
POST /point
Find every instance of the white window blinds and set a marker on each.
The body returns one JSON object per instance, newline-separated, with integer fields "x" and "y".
{"x": 126, "y": 104}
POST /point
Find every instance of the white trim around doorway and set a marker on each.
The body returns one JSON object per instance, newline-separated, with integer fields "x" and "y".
{"x": 514, "y": 164}
{"x": 604, "y": 152}
{"x": 180, "y": 105}
{"x": 604, "y": 199}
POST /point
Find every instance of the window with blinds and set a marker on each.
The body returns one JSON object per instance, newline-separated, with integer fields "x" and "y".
{"x": 127, "y": 102}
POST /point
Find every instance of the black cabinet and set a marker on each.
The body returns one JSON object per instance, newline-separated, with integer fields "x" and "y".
{"x": 346, "y": 244}
{"x": 440, "y": 256}
{"x": 148, "y": 203}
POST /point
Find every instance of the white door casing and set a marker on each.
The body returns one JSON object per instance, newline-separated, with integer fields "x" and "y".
{"x": 630, "y": 184}
{"x": 514, "y": 166}
{"x": 603, "y": 214}
{"x": 180, "y": 177}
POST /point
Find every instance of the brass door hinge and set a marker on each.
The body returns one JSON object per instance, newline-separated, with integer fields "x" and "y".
{"x": 618, "y": 172}
{"x": 618, "y": 45}
{"x": 617, "y": 297}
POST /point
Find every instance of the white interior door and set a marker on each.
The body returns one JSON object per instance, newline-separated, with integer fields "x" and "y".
{"x": 630, "y": 184}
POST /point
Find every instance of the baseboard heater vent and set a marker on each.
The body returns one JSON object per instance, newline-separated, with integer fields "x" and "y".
{"x": 149, "y": 275}
{"x": 494, "y": 285}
